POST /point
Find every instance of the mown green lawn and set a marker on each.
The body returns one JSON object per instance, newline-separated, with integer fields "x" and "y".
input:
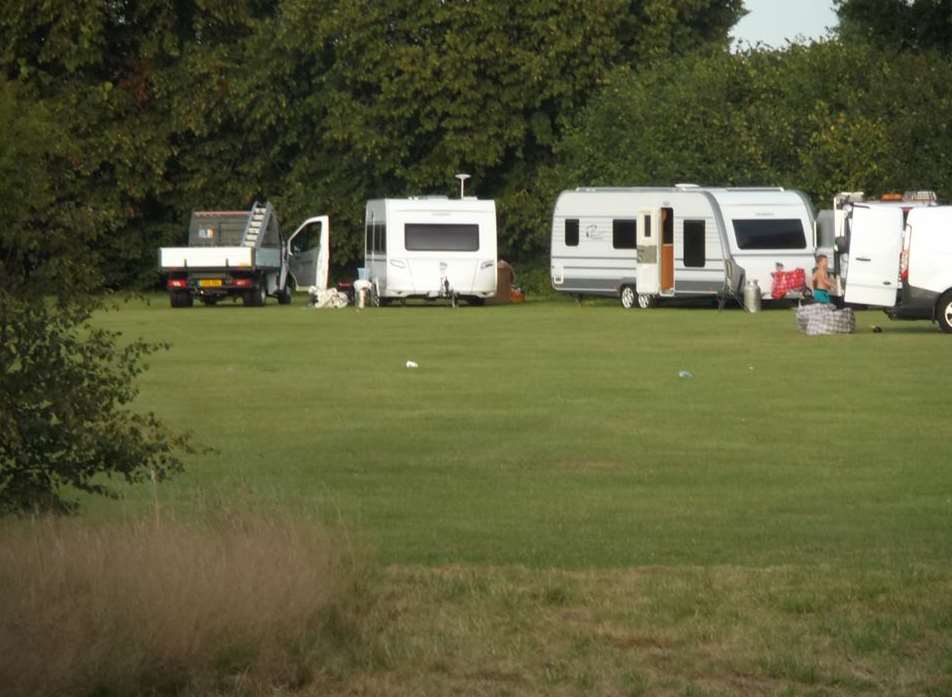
{"x": 558, "y": 435}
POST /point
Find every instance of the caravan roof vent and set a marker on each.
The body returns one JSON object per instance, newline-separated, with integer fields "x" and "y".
{"x": 686, "y": 186}
{"x": 434, "y": 197}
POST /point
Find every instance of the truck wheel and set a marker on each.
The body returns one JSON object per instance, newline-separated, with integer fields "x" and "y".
{"x": 256, "y": 296}
{"x": 180, "y": 299}
{"x": 286, "y": 294}
{"x": 944, "y": 312}
{"x": 627, "y": 297}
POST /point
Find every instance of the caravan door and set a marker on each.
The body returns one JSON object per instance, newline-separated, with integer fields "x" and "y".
{"x": 649, "y": 266}
{"x": 309, "y": 254}
{"x": 875, "y": 241}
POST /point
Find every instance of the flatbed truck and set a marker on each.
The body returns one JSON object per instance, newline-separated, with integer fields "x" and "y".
{"x": 244, "y": 256}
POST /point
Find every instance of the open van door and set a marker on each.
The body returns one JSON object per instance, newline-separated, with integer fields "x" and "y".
{"x": 875, "y": 245}
{"x": 649, "y": 262}
{"x": 309, "y": 254}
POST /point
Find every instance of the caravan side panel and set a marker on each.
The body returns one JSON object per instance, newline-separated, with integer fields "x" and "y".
{"x": 590, "y": 254}
{"x": 585, "y": 258}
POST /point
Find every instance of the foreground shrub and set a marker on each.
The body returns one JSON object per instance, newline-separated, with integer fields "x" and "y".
{"x": 241, "y": 604}
{"x": 66, "y": 386}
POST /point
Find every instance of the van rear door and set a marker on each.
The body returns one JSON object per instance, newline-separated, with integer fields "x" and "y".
{"x": 875, "y": 248}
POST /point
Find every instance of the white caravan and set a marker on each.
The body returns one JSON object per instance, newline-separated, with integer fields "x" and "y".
{"x": 431, "y": 247}
{"x": 645, "y": 244}
{"x": 899, "y": 258}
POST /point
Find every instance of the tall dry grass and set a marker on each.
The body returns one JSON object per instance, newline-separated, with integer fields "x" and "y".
{"x": 242, "y": 603}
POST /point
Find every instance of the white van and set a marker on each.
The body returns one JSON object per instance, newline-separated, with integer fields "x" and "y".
{"x": 645, "y": 244}
{"x": 431, "y": 247}
{"x": 900, "y": 261}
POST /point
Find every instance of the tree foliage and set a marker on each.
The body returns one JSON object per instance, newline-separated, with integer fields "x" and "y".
{"x": 821, "y": 118}
{"x": 320, "y": 104}
{"x": 63, "y": 384}
{"x": 899, "y": 24}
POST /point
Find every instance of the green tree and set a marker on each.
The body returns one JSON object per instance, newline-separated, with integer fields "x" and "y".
{"x": 820, "y": 118}
{"x": 901, "y": 24}
{"x": 63, "y": 383}
{"x": 320, "y": 104}
{"x": 395, "y": 96}
{"x": 109, "y": 74}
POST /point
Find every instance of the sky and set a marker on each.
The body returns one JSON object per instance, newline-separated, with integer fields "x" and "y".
{"x": 774, "y": 21}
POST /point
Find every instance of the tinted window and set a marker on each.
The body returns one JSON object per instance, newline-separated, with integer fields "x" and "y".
{"x": 624, "y": 233}
{"x": 695, "y": 251}
{"x": 441, "y": 237}
{"x": 571, "y": 233}
{"x": 770, "y": 234}
{"x": 376, "y": 238}
{"x": 308, "y": 238}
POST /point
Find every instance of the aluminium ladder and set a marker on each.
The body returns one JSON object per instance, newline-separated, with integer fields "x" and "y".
{"x": 257, "y": 225}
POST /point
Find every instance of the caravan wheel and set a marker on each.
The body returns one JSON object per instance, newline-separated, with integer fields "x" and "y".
{"x": 646, "y": 301}
{"x": 944, "y": 313}
{"x": 627, "y": 297}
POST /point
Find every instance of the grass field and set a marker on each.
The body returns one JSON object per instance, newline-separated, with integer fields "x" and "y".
{"x": 779, "y": 523}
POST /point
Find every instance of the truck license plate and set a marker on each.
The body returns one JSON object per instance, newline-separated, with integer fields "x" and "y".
{"x": 210, "y": 283}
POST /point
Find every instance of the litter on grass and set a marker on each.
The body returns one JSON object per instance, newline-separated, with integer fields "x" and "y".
{"x": 412, "y": 364}
{"x": 326, "y": 297}
{"x": 686, "y": 374}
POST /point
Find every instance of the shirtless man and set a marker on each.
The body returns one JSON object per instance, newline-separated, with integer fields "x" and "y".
{"x": 822, "y": 283}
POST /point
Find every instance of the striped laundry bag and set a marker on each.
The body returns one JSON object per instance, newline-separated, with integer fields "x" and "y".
{"x": 820, "y": 319}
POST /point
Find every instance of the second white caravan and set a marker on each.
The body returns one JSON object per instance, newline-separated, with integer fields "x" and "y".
{"x": 431, "y": 247}
{"x": 645, "y": 244}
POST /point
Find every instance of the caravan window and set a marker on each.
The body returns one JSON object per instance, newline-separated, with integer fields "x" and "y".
{"x": 441, "y": 237}
{"x": 624, "y": 234}
{"x": 695, "y": 244}
{"x": 376, "y": 241}
{"x": 770, "y": 234}
{"x": 571, "y": 232}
